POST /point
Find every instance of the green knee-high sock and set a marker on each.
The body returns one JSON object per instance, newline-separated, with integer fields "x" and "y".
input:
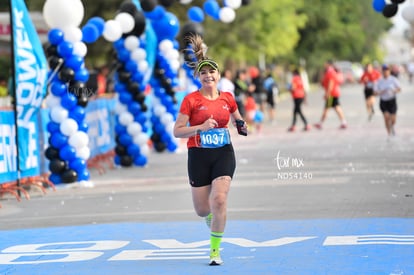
{"x": 215, "y": 241}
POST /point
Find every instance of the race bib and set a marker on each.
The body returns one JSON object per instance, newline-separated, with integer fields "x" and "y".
{"x": 370, "y": 84}
{"x": 214, "y": 138}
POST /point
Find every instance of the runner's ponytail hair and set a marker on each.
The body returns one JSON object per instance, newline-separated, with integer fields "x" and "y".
{"x": 199, "y": 49}
{"x": 198, "y": 46}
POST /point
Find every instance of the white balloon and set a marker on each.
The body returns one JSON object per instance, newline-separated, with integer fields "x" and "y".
{"x": 80, "y": 49}
{"x": 408, "y": 13}
{"x": 143, "y": 66}
{"x": 159, "y": 110}
{"x": 120, "y": 108}
{"x": 83, "y": 152}
{"x": 126, "y": 118}
{"x": 63, "y": 13}
{"x": 68, "y": 127}
{"x": 52, "y": 101}
{"x": 144, "y": 150}
{"x": 227, "y": 15}
{"x": 58, "y": 114}
{"x": 166, "y": 118}
{"x": 166, "y": 45}
{"x": 175, "y": 64}
{"x": 134, "y": 128}
{"x": 140, "y": 139}
{"x": 185, "y": 2}
{"x": 112, "y": 30}
{"x": 131, "y": 42}
{"x": 79, "y": 139}
{"x": 170, "y": 128}
{"x": 172, "y": 54}
{"x": 126, "y": 21}
{"x": 234, "y": 4}
{"x": 138, "y": 54}
{"x": 72, "y": 34}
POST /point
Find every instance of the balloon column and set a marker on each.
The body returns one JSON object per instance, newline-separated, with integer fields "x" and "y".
{"x": 165, "y": 79}
{"x": 68, "y": 142}
{"x": 131, "y": 138}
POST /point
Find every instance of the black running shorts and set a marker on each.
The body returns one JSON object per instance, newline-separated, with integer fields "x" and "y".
{"x": 206, "y": 164}
{"x": 388, "y": 106}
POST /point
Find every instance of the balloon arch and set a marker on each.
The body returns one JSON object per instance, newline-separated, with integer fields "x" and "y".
{"x": 143, "y": 34}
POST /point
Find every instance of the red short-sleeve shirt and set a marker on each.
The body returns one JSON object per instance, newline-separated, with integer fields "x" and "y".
{"x": 199, "y": 109}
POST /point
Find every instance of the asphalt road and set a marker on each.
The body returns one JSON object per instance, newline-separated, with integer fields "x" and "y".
{"x": 326, "y": 201}
{"x": 328, "y": 173}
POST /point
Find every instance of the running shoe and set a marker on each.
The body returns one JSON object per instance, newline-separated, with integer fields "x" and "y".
{"x": 370, "y": 116}
{"x": 318, "y": 126}
{"x": 392, "y": 131}
{"x": 215, "y": 258}
{"x": 208, "y": 219}
{"x": 307, "y": 128}
{"x": 291, "y": 129}
{"x": 343, "y": 126}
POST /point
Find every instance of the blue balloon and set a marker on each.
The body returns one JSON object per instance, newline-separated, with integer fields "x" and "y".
{"x": 171, "y": 146}
{"x": 125, "y": 98}
{"x": 133, "y": 150}
{"x": 77, "y": 164}
{"x": 119, "y": 44}
{"x": 167, "y": 27}
{"x": 99, "y": 23}
{"x": 137, "y": 77}
{"x": 131, "y": 66}
{"x": 159, "y": 127}
{"x": 53, "y": 127}
{"x": 65, "y": 49}
{"x": 156, "y": 14}
{"x": 58, "y": 88}
{"x": 141, "y": 119}
{"x": 134, "y": 108}
{"x": 67, "y": 153}
{"x": 120, "y": 129}
{"x": 140, "y": 160}
{"x": 123, "y": 55}
{"x": 90, "y": 33}
{"x": 83, "y": 126}
{"x": 212, "y": 8}
{"x": 69, "y": 101}
{"x": 74, "y": 62}
{"x": 378, "y": 5}
{"x": 55, "y": 178}
{"x": 195, "y": 14}
{"x": 55, "y": 36}
{"x": 58, "y": 140}
{"x": 78, "y": 114}
{"x": 83, "y": 174}
{"x": 125, "y": 139}
{"x": 82, "y": 75}
{"x": 117, "y": 160}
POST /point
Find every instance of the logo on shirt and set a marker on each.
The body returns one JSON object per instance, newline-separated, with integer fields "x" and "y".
{"x": 201, "y": 108}
{"x": 226, "y": 107}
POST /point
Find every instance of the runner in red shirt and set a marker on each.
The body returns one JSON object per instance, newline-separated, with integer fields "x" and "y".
{"x": 203, "y": 119}
{"x": 298, "y": 95}
{"x": 369, "y": 79}
{"x": 331, "y": 82}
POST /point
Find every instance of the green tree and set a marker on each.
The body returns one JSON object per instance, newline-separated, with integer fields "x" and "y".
{"x": 336, "y": 29}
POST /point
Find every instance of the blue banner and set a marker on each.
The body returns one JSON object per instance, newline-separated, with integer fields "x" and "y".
{"x": 30, "y": 75}
{"x": 101, "y": 122}
{"x": 8, "y": 157}
{"x": 8, "y": 148}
